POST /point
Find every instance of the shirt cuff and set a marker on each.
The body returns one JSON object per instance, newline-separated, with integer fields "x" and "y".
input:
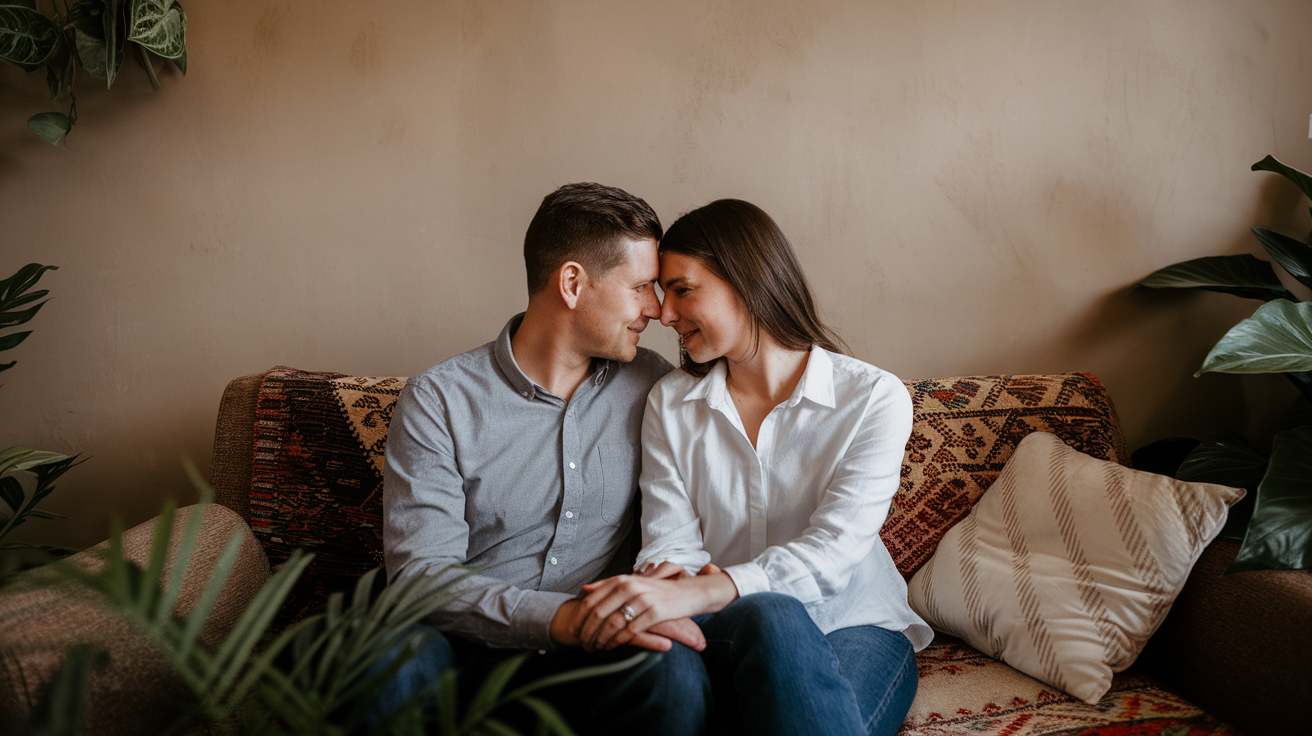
{"x": 531, "y": 621}
{"x": 749, "y": 578}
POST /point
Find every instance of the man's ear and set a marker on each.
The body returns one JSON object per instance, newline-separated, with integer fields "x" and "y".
{"x": 571, "y": 280}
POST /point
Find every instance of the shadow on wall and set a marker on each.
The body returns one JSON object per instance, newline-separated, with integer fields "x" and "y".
{"x": 1168, "y": 333}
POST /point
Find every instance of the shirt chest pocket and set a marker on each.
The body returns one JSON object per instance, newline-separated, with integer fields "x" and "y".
{"x": 619, "y": 478}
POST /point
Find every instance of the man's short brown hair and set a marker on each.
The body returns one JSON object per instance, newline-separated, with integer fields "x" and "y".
{"x": 584, "y": 222}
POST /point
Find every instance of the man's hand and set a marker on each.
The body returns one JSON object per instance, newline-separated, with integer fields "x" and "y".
{"x": 569, "y": 618}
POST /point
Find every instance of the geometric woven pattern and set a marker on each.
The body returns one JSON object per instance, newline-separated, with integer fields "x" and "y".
{"x": 317, "y": 477}
{"x": 964, "y": 431}
{"x": 965, "y": 693}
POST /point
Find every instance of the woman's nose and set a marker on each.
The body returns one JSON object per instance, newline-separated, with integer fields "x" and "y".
{"x": 668, "y": 315}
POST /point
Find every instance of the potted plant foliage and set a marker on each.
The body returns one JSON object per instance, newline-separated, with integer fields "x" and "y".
{"x": 93, "y": 35}
{"x": 1276, "y": 339}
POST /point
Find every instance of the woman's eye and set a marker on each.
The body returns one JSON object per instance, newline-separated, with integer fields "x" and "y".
{"x": 680, "y": 291}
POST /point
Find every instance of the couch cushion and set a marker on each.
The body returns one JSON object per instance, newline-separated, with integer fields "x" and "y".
{"x": 965, "y": 430}
{"x": 317, "y": 476}
{"x": 965, "y": 693}
{"x": 1069, "y": 563}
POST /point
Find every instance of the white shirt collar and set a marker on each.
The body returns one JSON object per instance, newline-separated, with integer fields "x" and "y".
{"x": 817, "y": 383}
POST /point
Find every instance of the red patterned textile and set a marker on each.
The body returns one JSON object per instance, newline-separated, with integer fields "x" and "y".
{"x": 965, "y": 430}
{"x": 317, "y": 477}
{"x": 965, "y": 693}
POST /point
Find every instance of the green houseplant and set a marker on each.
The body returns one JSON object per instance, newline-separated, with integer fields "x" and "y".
{"x": 318, "y": 677}
{"x": 18, "y": 305}
{"x": 93, "y": 35}
{"x": 1276, "y": 339}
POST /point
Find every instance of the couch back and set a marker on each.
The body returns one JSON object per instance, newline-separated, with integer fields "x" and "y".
{"x": 299, "y": 455}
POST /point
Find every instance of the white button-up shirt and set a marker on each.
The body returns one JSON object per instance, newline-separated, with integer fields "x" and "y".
{"x": 798, "y": 514}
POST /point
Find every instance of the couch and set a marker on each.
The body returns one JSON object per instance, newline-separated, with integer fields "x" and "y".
{"x": 297, "y": 464}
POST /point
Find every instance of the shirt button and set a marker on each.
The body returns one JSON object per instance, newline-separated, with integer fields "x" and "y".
{"x": 569, "y": 514}
{"x": 553, "y": 560}
{"x": 571, "y": 466}
{"x": 524, "y": 392}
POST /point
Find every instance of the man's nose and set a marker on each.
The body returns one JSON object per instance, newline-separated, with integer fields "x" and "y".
{"x": 668, "y": 315}
{"x": 652, "y": 308}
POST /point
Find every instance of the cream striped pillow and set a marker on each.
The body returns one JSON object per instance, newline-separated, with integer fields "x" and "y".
{"x": 1067, "y": 564}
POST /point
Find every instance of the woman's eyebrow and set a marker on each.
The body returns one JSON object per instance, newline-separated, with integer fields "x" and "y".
{"x": 675, "y": 280}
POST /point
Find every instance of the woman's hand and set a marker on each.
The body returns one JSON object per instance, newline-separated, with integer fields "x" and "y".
{"x": 622, "y": 607}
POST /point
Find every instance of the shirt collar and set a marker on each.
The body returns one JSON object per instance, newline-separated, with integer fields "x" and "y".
{"x": 505, "y": 357}
{"x": 817, "y": 383}
{"x": 522, "y": 384}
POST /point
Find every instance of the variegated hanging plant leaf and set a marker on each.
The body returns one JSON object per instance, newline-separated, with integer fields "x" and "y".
{"x": 27, "y": 38}
{"x": 160, "y": 26}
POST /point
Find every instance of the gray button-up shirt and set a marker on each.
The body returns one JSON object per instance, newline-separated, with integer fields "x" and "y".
{"x": 487, "y": 469}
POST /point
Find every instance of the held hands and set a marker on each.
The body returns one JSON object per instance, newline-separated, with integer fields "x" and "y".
{"x": 629, "y": 609}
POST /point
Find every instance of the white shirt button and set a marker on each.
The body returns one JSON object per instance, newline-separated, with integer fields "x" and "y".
{"x": 553, "y": 560}
{"x": 525, "y": 393}
{"x": 571, "y": 466}
{"x": 569, "y": 514}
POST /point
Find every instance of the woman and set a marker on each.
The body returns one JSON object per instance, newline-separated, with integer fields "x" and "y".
{"x": 769, "y": 463}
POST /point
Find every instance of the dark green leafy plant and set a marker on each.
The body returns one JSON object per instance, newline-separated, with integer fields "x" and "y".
{"x": 322, "y": 674}
{"x": 1277, "y": 527}
{"x": 93, "y": 35}
{"x": 17, "y": 307}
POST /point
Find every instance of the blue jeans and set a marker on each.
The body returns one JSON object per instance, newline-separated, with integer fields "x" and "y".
{"x": 668, "y": 696}
{"x": 766, "y": 655}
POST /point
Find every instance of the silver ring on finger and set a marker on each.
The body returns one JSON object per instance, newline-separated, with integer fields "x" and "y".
{"x": 629, "y": 614}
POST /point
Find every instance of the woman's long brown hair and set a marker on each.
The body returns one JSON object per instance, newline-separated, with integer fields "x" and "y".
{"x": 740, "y": 243}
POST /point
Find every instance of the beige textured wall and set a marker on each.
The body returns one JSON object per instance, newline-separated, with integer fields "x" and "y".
{"x": 344, "y": 186}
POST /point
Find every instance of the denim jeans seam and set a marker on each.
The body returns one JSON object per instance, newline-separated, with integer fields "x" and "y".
{"x": 879, "y": 711}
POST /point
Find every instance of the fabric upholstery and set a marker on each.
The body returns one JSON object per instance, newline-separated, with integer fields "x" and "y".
{"x": 965, "y": 430}
{"x": 1069, "y": 563}
{"x": 133, "y": 694}
{"x": 965, "y": 693}
{"x": 234, "y": 435}
{"x": 1239, "y": 643}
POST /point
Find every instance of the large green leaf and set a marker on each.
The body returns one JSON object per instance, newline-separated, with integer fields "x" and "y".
{"x": 1293, "y": 255}
{"x": 27, "y": 37}
{"x": 50, "y": 127}
{"x": 1276, "y": 339}
{"x": 1280, "y": 535}
{"x": 160, "y": 26}
{"x": 1225, "y": 457}
{"x": 1303, "y": 181}
{"x": 1241, "y": 275}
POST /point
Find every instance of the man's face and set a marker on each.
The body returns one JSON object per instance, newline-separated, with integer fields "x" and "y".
{"x": 616, "y": 307}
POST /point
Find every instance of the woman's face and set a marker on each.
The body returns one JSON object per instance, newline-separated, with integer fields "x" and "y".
{"x": 703, "y": 308}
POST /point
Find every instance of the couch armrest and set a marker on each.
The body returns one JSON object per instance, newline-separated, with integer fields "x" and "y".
{"x": 234, "y": 444}
{"x": 1237, "y": 645}
{"x": 41, "y": 618}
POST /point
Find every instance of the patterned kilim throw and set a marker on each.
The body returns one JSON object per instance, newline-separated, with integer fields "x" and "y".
{"x": 965, "y": 693}
{"x": 317, "y": 477}
{"x": 964, "y": 431}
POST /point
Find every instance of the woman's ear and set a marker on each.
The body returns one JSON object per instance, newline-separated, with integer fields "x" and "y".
{"x": 571, "y": 277}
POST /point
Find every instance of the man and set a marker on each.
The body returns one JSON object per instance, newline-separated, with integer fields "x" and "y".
{"x": 520, "y": 459}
